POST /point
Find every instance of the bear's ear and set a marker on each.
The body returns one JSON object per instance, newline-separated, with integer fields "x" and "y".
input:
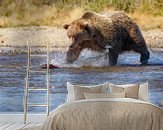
{"x": 65, "y": 26}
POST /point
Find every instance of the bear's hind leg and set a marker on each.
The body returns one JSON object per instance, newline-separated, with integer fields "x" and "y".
{"x": 144, "y": 53}
{"x": 144, "y": 58}
{"x": 138, "y": 44}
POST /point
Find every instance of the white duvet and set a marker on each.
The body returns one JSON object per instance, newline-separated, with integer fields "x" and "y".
{"x": 106, "y": 114}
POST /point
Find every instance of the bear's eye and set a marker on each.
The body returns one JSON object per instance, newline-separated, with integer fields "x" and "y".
{"x": 84, "y": 31}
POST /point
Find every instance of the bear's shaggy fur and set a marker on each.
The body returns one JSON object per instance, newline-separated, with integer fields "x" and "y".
{"x": 113, "y": 33}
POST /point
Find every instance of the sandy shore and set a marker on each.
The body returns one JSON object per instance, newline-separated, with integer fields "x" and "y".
{"x": 14, "y": 40}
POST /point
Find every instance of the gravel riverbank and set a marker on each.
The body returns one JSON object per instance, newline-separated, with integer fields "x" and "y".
{"x": 14, "y": 40}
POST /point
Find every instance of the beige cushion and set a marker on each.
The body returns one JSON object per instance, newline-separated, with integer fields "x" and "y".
{"x": 137, "y": 91}
{"x": 131, "y": 91}
{"x": 76, "y": 92}
{"x": 103, "y": 95}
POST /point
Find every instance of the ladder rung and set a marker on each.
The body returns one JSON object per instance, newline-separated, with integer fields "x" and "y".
{"x": 38, "y": 71}
{"x": 32, "y": 55}
{"x": 36, "y": 105}
{"x": 37, "y": 89}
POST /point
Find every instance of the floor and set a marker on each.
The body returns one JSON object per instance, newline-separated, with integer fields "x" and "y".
{"x": 17, "y": 126}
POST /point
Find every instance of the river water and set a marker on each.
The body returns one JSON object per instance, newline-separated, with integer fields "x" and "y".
{"x": 90, "y": 68}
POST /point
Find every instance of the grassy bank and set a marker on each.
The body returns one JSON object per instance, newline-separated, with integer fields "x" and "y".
{"x": 14, "y": 13}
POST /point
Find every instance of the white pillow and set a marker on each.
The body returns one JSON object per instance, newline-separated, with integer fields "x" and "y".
{"x": 76, "y": 92}
{"x": 104, "y": 95}
{"x": 143, "y": 93}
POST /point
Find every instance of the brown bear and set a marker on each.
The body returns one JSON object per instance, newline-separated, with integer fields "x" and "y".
{"x": 113, "y": 34}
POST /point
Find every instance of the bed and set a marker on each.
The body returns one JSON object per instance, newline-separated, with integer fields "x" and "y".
{"x": 102, "y": 111}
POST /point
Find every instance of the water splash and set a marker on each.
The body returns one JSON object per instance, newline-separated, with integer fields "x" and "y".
{"x": 95, "y": 59}
{"x": 86, "y": 58}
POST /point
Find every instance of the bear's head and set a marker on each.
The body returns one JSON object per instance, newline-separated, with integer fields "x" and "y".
{"x": 78, "y": 32}
{"x": 82, "y": 34}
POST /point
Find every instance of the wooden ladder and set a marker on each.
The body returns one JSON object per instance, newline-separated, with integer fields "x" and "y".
{"x": 29, "y": 89}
